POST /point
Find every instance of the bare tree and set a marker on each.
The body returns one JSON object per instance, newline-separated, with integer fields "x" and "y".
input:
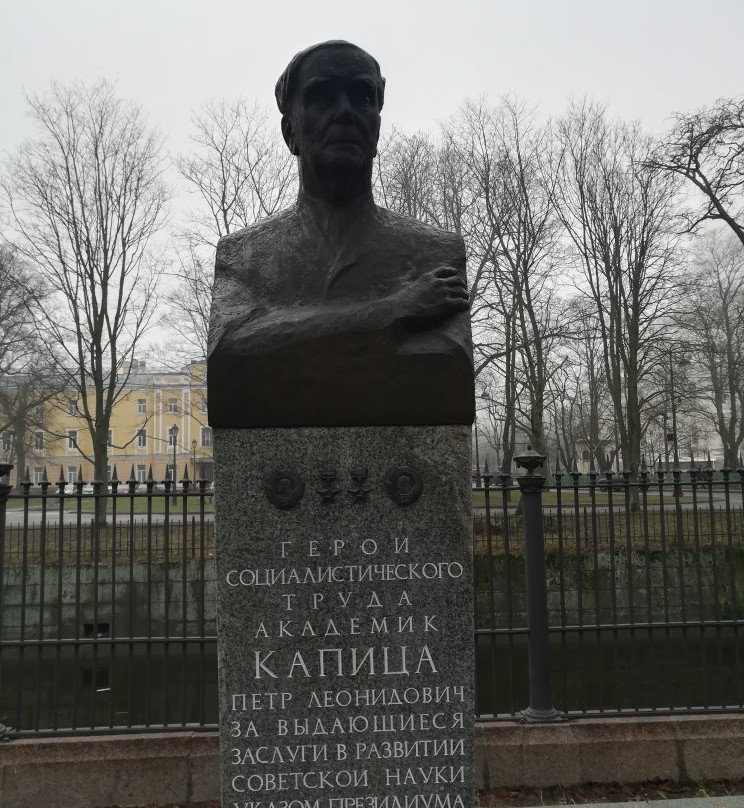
{"x": 240, "y": 172}
{"x": 22, "y": 400}
{"x": 563, "y": 432}
{"x": 497, "y": 411}
{"x": 19, "y": 291}
{"x": 619, "y": 214}
{"x": 188, "y": 301}
{"x": 707, "y": 149}
{"x": 715, "y": 324}
{"x": 86, "y": 198}
{"x": 423, "y": 176}
{"x": 26, "y": 381}
{"x": 407, "y": 179}
{"x": 516, "y": 233}
{"x": 583, "y": 412}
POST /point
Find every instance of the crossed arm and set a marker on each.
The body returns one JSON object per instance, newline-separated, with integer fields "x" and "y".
{"x": 420, "y": 302}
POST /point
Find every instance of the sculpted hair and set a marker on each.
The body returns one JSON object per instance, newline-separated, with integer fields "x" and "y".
{"x": 285, "y": 85}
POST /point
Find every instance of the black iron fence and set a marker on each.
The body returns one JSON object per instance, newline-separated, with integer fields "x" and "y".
{"x": 107, "y": 621}
{"x": 623, "y": 597}
{"x": 595, "y": 595}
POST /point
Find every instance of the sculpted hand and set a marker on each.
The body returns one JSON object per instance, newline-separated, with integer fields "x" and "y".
{"x": 436, "y": 294}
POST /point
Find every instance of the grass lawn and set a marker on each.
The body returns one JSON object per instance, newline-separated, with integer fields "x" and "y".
{"x": 587, "y": 531}
{"x": 550, "y": 498}
{"x": 139, "y": 501}
{"x": 157, "y": 504}
{"x": 570, "y": 531}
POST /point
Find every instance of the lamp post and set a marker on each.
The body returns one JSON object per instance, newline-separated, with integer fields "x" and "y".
{"x": 477, "y": 454}
{"x": 174, "y": 434}
{"x": 681, "y": 362}
{"x": 193, "y": 453}
{"x": 675, "y": 447}
{"x": 485, "y": 397}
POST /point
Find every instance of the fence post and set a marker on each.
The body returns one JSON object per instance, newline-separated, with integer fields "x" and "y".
{"x": 6, "y": 733}
{"x": 5, "y": 489}
{"x": 540, "y": 708}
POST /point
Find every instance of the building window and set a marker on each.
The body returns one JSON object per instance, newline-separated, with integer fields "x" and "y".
{"x": 7, "y": 441}
{"x": 173, "y": 436}
{"x": 72, "y": 407}
{"x": 39, "y": 411}
{"x": 141, "y": 438}
{"x": 141, "y": 473}
{"x": 169, "y": 472}
{"x": 72, "y": 474}
{"x": 204, "y": 403}
{"x": 110, "y": 438}
{"x": 38, "y": 441}
{"x": 206, "y": 436}
{"x": 72, "y": 439}
{"x": 141, "y": 406}
{"x": 38, "y": 475}
{"x": 172, "y": 405}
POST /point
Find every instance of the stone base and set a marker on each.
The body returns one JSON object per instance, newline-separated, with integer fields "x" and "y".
{"x": 160, "y": 769}
{"x": 345, "y": 615}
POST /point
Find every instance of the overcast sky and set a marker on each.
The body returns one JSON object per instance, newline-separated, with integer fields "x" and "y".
{"x": 645, "y": 58}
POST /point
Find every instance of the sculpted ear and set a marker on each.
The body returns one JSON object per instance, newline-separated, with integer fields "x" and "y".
{"x": 288, "y": 134}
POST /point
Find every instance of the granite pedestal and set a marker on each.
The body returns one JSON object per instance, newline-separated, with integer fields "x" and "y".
{"x": 345, "y": 616}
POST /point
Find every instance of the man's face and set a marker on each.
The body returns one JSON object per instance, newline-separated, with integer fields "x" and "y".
{"x": 334, "y": 120}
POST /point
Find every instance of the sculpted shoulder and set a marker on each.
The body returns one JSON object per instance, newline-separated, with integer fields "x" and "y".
{"x": 441, "y": 246}
{"x": 242, "y": 274}
{"x": 261, "y": 237}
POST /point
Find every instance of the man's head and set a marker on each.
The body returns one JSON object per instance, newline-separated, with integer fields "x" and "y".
{"x": 330, "y": 96}
{"x": 285, "y": 86}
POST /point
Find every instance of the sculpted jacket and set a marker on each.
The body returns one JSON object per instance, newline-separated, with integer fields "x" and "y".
{"x": 308, "y": 327}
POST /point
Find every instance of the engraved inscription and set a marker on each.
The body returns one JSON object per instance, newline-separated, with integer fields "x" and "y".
{"x": 346, "y": 634}
{"x": 347, "y": 670}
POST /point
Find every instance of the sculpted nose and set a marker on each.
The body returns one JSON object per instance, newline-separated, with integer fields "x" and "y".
{"x": 344, "y": 110}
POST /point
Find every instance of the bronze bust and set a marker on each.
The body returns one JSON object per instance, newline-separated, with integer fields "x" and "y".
{"x": 336, "y": 312}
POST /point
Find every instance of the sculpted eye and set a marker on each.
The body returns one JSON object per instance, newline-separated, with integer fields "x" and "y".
{"x": 362, "y": 94}
{"x": 320, "y": 94}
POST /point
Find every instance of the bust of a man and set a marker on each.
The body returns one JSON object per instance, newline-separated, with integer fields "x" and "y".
{"x": 336, "y": 312}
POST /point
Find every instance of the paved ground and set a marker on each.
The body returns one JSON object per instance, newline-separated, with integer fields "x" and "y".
{"x": 695, "y": 802}
{"x": 666, "y": 793}
{"x": 485, "y": 802}
{"x": 698, "y": 802}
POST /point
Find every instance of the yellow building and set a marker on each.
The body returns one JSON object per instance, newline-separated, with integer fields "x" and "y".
{"x": 161, "y": 418}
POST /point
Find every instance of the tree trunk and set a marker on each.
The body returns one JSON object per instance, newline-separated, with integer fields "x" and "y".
{"x": 537, "y": 432}
{"x": 100, "y": 473}
{"x": 20, "y": 428}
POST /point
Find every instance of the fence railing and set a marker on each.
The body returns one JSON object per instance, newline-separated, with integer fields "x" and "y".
{"x": 107, "y": 624}
{"x": 643, "y": 605}
{"x": 596, "y": 595}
